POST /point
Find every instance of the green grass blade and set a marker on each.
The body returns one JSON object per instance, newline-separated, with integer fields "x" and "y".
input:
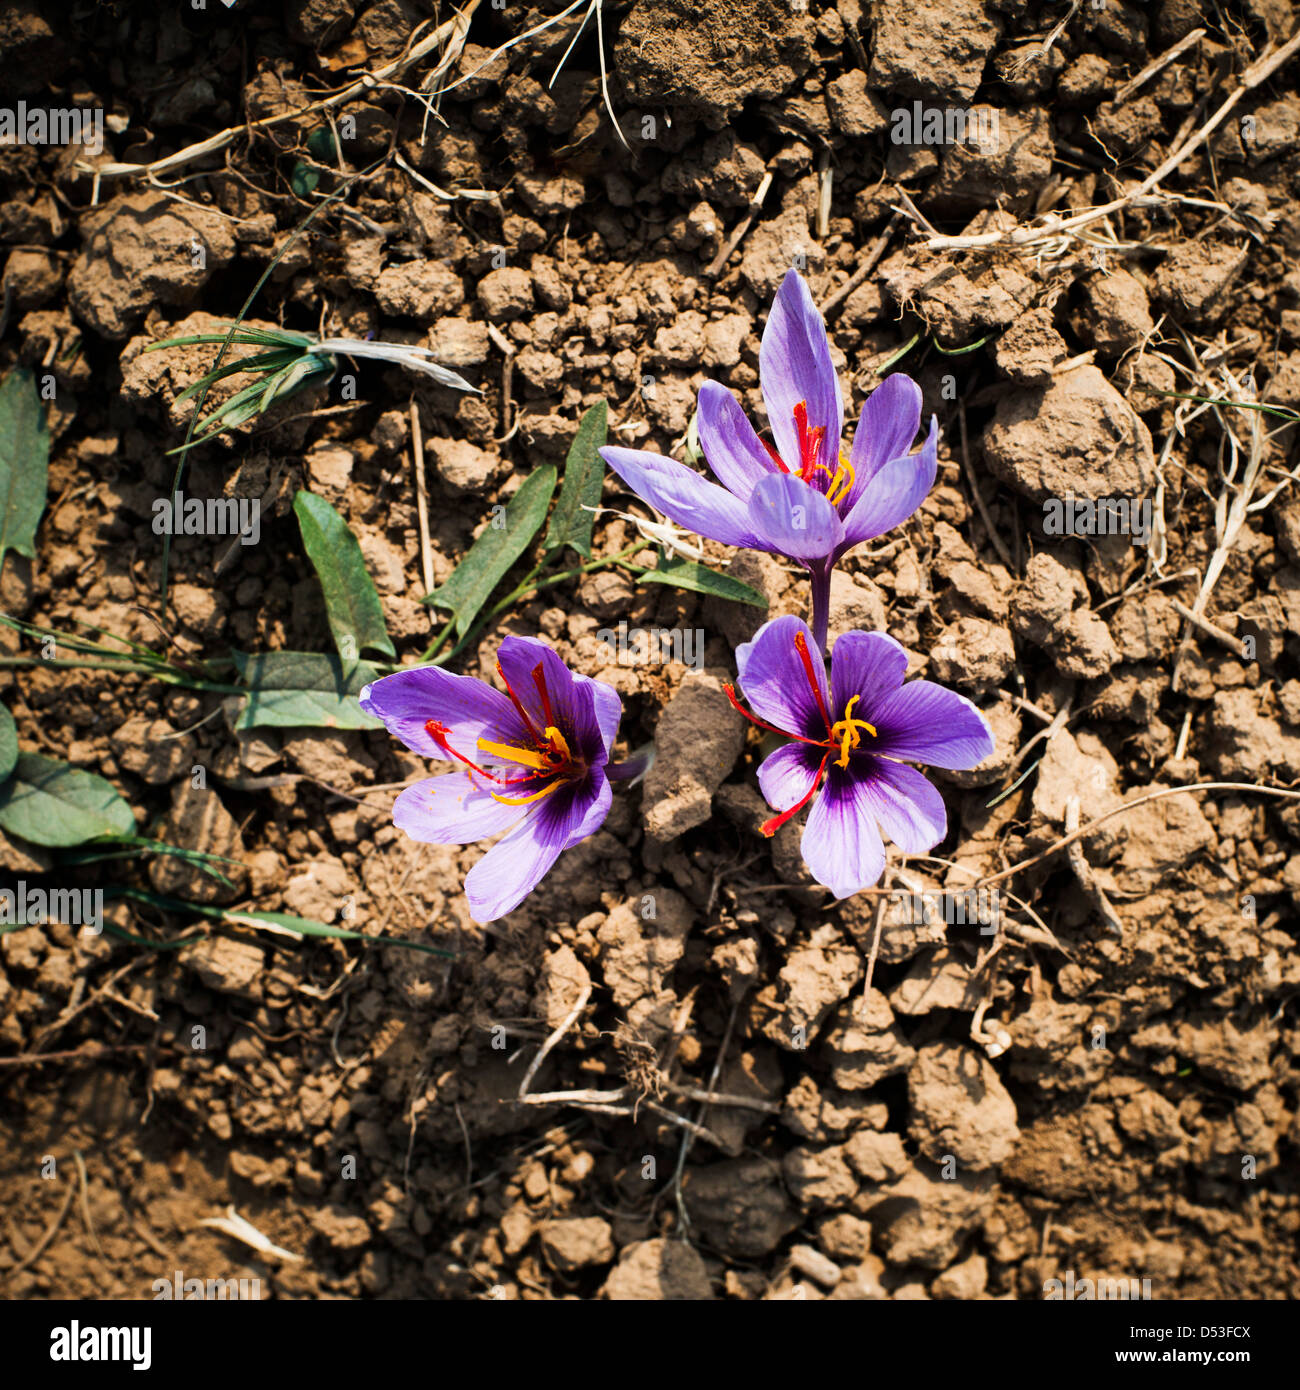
{"x": 496, "y": 550}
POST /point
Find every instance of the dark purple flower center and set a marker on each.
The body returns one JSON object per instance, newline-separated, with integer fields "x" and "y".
{"x": 545, "y": 752}
{"x": 841, "y": 735}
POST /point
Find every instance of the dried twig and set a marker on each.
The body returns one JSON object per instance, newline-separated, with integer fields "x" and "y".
{"x": 51, "y": 1231}
{"x": 544, "y": 1051}
{"x": 1084, "y": 872}
{"x": 421, "y": 499}
{"x": 865, "y": 269}
{"x": 742, "y": 227}
{"x": 446, "y": 31}
{"x": 1052, "y": 226}
{"x": 1158, "y": 64}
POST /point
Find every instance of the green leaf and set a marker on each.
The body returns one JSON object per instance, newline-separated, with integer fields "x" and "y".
{"x": 496, "y": 549}
{"x": 356, "y": 617}
{"x": 304, "y": 179}
{"x": 24, "y": 463}
{"x": 52, "y": 804}
{"x": 295, "y": 690}
{"x": 280, "y": 923}
{"x": 584, "y": 471}
{"x": 8, "y": 743}
{"x": 321, "y": 144}
{"x": 687, "y": 574}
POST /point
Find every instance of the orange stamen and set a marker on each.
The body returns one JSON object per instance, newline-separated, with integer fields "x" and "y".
{"x": 524, "y": 800}
{"x": 524, "y": 756}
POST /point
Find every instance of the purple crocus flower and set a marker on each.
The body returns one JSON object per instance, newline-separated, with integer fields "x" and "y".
{"x": 848, "y": 742}
{"x": 534, "y": 764}
{"x": 802, "y": 498}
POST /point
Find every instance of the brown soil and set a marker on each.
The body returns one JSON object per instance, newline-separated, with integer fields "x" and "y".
{"x": 357, "y": 1105}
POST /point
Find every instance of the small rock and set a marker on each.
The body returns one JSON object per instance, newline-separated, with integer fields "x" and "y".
{"x": 698, "y": 739}
{"x": 655, "y": 1270}
{"x": 465, "y": 467}
{"x": 1075, "y": 437}
{"x": 226, "y": 965}
{"x": 424, "y": 290}
{"x": 960, "y": 1107}
{"x": 577, "y": 1243}
{"x": 973, "y": 654}
{"x": 964, "y": 1281}
{"x": 740, "y": 1206}
{"x": 506, "y": 293}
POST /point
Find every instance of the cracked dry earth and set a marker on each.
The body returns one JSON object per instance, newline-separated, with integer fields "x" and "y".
{"x": 1106, "y": 1084}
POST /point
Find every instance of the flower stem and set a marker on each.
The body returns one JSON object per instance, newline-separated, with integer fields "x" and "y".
{"x": 821, "y": 605}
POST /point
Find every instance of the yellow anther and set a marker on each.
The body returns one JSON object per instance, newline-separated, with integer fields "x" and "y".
{"x": 841, "y": 483}
{"x": 524, "y": 800}
{"x": 846, "y": 732}
{"x": 558, "y": 743}
{"x": 527, "y": 757}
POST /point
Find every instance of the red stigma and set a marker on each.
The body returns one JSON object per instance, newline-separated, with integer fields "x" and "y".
{"x": 519, "y": 709}
{"x": 801, "y": 646}
{"x": 810, "y": 442}
{"x": 539, "y": 680}
{"x": 770, "y": 827}
{"x": 439, "y": 734}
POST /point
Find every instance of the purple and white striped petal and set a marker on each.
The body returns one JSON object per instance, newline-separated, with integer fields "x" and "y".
{"x": 907, "y": 807}
{"x": 451, "y": 810}
{"x": 515, "y": 865}
{"x": 793, "y": 519}
{"x": 794, "y": 365}
{"x": 891, "y": 416}
{"x": 927, "y": 723}
{"x": 731, "y": 447}
{"x": 467, "y": 708}
{"x": 786, "y": 776}
{"x": 683, "y": 496}
{"x": 841, "y": 843}
{"x": 894, "y": 492}
{"x": 870, "y": 665}
{"x": 772, "y": 677}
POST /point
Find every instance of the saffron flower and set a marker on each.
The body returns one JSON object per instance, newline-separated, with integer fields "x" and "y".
{"x": 801, "y": 496}
{"x": 533, "y": 764}
{"x": 848, "y": 745}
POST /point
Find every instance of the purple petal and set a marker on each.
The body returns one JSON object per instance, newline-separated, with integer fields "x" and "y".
{"x": 841, "y": 843}
{"x": 573, "y": 698}
{"x": 607, "y": 710}
{"x": 733, "y": 450}
{"x": 794, "y": 519}
{"x": 794, "y": 364}
{"x": 891, "y": 416}
{"x": 682, "y": 495}
{"x": 773, "y": 678}
{"x": 509, "y": 871}
{"x": 910, "y": 811}
{"x": 786, "y": 776}
{"x": 930, "y": 724}
{"x": 870, "y": 665}
{"x": 895, "y": 492}
{"x": 451, "y": 810}
{"x": 407, "y": 700}
{"x": 514, "y": 866}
